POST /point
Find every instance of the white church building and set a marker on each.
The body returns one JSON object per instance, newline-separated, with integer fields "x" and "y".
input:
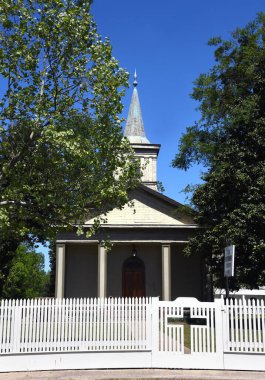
{"x": 146, "y": 258}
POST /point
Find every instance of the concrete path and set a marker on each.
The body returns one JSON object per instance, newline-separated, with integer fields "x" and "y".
{"x": 135, "y": 374}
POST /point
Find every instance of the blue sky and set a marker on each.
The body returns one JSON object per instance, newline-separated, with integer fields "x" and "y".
{"x": 167, "y": 43}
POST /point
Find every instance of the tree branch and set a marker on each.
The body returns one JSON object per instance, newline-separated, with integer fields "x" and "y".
{"x": 6, "y": 203}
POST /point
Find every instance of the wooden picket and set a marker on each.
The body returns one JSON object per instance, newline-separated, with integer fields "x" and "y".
{"x": 63, "y": 325}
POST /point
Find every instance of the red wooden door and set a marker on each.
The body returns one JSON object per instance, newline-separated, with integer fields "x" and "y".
{"x": 133, "y": 277}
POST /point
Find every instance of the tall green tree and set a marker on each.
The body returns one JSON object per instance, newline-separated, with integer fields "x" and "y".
{"x": 26, "y": 277}
{"x": 229, "y": 140}
{"x": 62, "y": 154}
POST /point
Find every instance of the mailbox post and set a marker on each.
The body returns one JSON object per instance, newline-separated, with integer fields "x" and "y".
{"x": 229, "y": 265}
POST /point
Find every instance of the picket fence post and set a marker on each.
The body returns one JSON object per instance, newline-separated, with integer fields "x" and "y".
{"x": 155, "y": 327}
{"x": 219, "y": 326}
{"x": 16, "y": 326}
{"x": 225, "y": 324}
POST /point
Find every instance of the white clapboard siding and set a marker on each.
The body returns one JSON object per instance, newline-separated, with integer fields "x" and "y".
{"x": 245, "y": 326}
{"x": 64, "y": 325}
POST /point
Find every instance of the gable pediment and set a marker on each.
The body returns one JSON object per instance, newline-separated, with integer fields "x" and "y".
{"x": 147, "y": 208}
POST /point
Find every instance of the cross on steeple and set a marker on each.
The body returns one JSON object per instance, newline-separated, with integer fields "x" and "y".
{"x": 135, "y": 79}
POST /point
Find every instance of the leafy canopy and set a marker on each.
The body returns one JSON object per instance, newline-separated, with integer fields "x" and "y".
{"x": 62, "y": 154}
{"x": 61, "y": 149}
{"x": 229, "y": 140}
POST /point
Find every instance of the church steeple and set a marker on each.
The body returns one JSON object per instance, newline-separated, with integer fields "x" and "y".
{"x": 134, "y": 129}
{"x": 145, "y": 151}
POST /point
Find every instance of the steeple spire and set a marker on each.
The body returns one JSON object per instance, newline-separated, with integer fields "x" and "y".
{"x": 144, "y": 151}
{"x": 134, "y": 129}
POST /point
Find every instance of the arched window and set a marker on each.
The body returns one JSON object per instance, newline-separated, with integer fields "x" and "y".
{"x": 133, "y": 277}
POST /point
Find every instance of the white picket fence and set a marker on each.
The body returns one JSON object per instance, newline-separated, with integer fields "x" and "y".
{"x": 63, "y": 325}
{"x": 130, "y": 332}
{"x": 245, "y": 326}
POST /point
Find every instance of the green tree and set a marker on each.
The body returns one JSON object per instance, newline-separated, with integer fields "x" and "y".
{"x": 229, "y": 140}
{"x": 62, "y": 154}
{"x": 26, "y": 278}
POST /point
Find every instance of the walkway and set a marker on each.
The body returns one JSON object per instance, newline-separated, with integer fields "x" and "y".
{"x": 135, "y": 374}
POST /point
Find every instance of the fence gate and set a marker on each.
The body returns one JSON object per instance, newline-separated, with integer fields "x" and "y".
{"x": 186, "y": 335}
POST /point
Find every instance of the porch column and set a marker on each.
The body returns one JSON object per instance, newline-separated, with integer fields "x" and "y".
{"x": 60, "y": 270}
{"x": 166, "y": 272}
{"x": 102, "y": 272}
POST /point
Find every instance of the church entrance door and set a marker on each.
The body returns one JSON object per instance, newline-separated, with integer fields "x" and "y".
{"x": 133, "y": 277}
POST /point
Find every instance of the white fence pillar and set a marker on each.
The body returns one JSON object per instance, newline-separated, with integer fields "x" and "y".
{"x": 102, "y": 272}
{"x": 60, "y": 270}
{"x": 155, "y": 327}
{"x": 166, "y": 272}
{"x": 16, "y": 326}
{"x": 219, "y": 326}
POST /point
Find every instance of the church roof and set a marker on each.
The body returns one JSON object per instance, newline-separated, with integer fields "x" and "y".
{"x": 134, "y": 129}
